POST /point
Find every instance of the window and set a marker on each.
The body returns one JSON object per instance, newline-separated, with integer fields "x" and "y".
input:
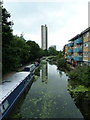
{"x": 27, "y": 69}
{"x": 4, "y": 106}
{"x": 1, "y": 109}
{"x": 86, "y": 44}
{"x": 86, "y": 54}
{"x": 86, "y": 35}
{"x": 79, "y": 54}
{"x": 80, "y": 46}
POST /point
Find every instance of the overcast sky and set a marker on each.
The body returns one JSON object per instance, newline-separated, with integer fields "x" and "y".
{"x": 64, "y": 18}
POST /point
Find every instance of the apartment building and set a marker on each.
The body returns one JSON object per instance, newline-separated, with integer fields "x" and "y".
{"x": 78, "y": 48}
{"x": 86, "y": 46}
{"x": 66, "y": 51}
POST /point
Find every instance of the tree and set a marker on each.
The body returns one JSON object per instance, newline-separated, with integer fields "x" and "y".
{"x": 34, "y": 49}
{"x": 15, "y": 49}
{"x": 52, "y": 51}
{"x": 7, "y": 37}
{"x": 19, "y": 44}
{"x": 80, "y": 75}
{"x": 60, "y": 54}
{"x": 61, "y": 63}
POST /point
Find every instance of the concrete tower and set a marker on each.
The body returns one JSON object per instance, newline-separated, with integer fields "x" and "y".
{"x": 44, "y": 37}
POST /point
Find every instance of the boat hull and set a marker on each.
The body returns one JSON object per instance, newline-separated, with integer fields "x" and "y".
{"x": 15, "y": 95}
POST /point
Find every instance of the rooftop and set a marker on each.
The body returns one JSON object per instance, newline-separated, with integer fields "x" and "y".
{"x": 79, "y": 35}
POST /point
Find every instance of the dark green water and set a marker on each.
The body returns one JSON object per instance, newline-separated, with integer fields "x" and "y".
{"x": 48, "y": 97}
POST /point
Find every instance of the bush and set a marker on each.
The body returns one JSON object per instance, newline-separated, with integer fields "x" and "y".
{"x": 81, "y": 75}
{"x": 61, "y": 63}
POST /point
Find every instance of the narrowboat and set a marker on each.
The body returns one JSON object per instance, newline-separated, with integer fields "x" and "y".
{"x": 36, "y": 63}
{"x": 30, "y": 68}
{"x": 10, "y": 91}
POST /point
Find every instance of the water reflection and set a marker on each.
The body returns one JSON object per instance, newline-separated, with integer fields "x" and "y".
{"x": 49, "y": 100}
{"x": 60, "y": 73}
{"x": 44, "y": 73}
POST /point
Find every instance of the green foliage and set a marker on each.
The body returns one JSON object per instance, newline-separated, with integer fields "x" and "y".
{"x": 15, "y": 49}
{"x": 45, "y": 53}
{"x": 81, "y": 74}
{"x": 52, "y": 51}
{"x": 61, "y": 63}
{"x": 7, "y": 37}
{"x": 59, "y": 59}
{"x": 80, "y": 88}
{"x": 22, "y": 49}
{"x": 34, "y": 50}
{"x": 60, "y": 55}
{"x": 14, "y": 54}
{"x": 41, "y": 53}
{"x": 6, "y": 27}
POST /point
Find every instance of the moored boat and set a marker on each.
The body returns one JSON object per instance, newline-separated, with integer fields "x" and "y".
{"x": 30, "y": 68}
{"x": 11, "y": 89}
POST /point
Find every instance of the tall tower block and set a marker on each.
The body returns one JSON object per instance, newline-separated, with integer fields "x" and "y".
{"x": 44, "y": 37}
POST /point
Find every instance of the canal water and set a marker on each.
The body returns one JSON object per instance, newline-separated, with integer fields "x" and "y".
{"x": 47, "y": 97}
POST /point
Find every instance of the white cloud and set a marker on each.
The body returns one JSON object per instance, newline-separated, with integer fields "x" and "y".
{"x": 64, "y": 19}
{"x": 33, "y": 37}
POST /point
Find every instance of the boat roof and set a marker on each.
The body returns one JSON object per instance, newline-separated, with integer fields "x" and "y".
{"x": 30, "y": 65}
{"x": 8, "y": 85}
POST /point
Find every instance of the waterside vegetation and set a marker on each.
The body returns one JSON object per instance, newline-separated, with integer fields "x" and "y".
{"x": 79, "y": 76}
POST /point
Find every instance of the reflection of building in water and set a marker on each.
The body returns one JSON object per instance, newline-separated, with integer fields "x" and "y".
{"x": 44, "y": 73}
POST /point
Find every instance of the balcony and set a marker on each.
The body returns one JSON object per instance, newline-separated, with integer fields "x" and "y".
{"x": 77, "y": 50}
{"x": 78, "y": 58}
{"x": 70, "y": 51}
{"x": 70, "y": 45}
{"x": 69, "y": 57}
{"x": 78, "y": 41}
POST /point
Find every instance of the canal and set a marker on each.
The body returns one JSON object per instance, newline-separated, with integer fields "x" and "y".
{"x": 47, "y": 97}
